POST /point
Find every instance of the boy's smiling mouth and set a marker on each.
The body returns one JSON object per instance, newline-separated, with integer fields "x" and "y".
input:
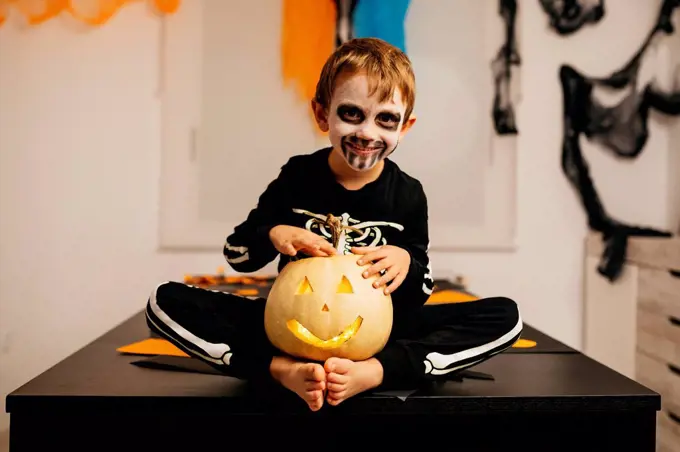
{"x": 363, "y": 150}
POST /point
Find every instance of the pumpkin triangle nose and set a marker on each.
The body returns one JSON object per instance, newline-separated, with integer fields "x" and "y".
{"x": 325, "y": 308}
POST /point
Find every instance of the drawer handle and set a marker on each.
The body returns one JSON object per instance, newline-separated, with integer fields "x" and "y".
{"x": 674, "y": 369}
{"x": 674, "y": 321}
{"x": 674, "y": 417}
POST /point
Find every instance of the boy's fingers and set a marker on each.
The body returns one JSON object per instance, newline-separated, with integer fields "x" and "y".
{"x": 327, "y": 247}
{"x": 315, "y": 246}
{"x": 396, "y": 282}
{"x": 317, "y": 252}
{"x": 289, "y": 249}
{"x": 306, "y": 244}
{"x": 364, "y": 249}
{"x": 387, "y": 277}
{"x": 373, "y": 256}
{"x": 377, "y": 268}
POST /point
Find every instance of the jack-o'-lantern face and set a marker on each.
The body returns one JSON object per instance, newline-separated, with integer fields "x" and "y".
{"x": 320, "y": 307}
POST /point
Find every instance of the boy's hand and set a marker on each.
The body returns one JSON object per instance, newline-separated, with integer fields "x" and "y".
{"x": 290, "y": 239}
{"x": 394, "y": 260}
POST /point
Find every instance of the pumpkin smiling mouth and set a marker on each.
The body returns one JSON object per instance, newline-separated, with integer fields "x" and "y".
{"x": 308, "y": 337}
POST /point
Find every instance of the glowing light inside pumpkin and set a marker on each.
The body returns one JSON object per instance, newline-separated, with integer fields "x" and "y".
{"x": 305, "y": 287}
{"x": 345, "y": 286}
{"x": 308, "y": 337}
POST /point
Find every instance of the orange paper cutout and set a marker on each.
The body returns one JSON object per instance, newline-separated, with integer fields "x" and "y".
{"x": 308, "y": 39}
{"x": 98, "y": 11}
{"x": 524, "y": 343}
{"x": 450, "y": 296}
{"x": 152, "y": 346}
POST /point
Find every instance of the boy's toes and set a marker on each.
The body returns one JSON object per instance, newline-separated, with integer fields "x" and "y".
{"x": 338, "y": 365}
{"x": 314, "y": 399}
{"x": 335, "y": 387}
{"x": 340, "y": 379}
{"x": 315, "y": 385}
{"x": 311, "y": 396}
{"x": 314, "y": 372}
{"x": 335, "y": 398}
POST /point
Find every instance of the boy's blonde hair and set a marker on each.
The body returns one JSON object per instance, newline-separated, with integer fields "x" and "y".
{"x": 386, "y": 66}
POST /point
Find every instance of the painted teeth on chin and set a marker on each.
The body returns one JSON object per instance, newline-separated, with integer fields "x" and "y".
{"x": 360, "y": 149}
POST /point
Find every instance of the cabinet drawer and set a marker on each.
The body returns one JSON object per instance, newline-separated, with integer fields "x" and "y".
{"x": 658, "y": 336}
{"x": 659, "y": 291}
{"x": 660, "y": 377}
{"x": 668, "y": 430}
{"x": 656, "y": 252}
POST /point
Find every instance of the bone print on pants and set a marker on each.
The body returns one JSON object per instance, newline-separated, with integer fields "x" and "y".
{"x": 227, "y": 332}
{"x": 221, "y": 329}
{"x": 441, "y": 340}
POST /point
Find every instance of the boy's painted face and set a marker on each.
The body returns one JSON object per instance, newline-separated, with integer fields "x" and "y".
{"x": 362, "y": 128}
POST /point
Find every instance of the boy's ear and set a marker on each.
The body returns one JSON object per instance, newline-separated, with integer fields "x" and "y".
{"x": 408, "y": 124}
{"x": 320, "y": 115}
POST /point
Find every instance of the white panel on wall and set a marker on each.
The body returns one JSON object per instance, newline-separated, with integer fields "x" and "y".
{"x": 229, "y": 124}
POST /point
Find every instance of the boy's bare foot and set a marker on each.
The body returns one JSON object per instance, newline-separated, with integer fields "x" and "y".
{"x": 346, "y": 378}
{"x": 308, "y": 380}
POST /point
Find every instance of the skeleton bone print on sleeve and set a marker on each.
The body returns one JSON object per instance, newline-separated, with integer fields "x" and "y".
{"x": 359, "y": 233}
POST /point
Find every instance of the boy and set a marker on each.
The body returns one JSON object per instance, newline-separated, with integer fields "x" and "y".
{"x": 364, "y": 100}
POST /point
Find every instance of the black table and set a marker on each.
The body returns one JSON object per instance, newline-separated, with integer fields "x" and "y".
{"x": 541, "y": 399}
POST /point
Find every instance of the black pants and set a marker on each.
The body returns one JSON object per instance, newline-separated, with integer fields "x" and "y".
{"x": 227, "y": 332}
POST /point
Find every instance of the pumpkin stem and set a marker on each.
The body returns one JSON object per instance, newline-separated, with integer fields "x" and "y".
{"x": 335, "y": 223}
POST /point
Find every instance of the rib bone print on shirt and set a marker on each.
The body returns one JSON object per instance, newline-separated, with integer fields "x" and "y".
{"x": 621, "y": 128}
{"x": 356, "y": 233}
{"x": 503, "y": 111}
{"x": 569, "y": 16}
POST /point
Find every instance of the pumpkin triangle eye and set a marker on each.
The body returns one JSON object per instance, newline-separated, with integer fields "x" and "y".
{"x": 305, "y": 287}
{"x": 345, "y": 286}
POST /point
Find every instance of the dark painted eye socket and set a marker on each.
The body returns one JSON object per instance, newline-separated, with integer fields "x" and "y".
{"x": 388, "y": 120}
{"x": 351, "y": 114}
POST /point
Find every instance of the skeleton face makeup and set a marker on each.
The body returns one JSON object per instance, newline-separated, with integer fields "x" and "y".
{"x": 362, "y": 128}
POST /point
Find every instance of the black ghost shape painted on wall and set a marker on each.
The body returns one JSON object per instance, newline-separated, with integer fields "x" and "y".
{"x": 621, "y": 129}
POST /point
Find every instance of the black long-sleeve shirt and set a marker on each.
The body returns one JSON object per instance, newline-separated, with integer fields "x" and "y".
{"x": 391, "y": 210}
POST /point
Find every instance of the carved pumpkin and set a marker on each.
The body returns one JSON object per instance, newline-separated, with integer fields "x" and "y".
{"x": 320, "y": 307}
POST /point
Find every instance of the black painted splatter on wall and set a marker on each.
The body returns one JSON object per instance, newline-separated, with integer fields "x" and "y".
{"x": 569, "y": 16}
{"x": 621, "y": 129}
{"x": 503, "y": 111}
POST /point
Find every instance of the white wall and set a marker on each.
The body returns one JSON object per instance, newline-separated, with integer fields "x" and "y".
{"x": 79, "y": 159}
{"x": 79, "y": 163}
